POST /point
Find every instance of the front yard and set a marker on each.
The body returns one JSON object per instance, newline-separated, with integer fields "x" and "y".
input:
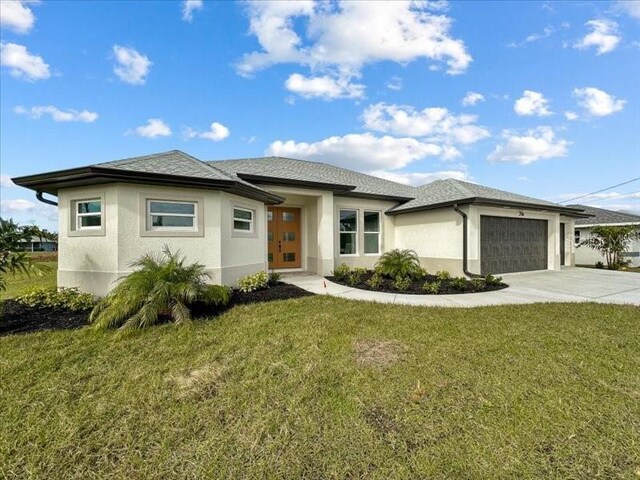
{"x": 321, "y": 387}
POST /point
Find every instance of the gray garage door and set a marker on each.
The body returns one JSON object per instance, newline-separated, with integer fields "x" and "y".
{"x": 512, "y": 244}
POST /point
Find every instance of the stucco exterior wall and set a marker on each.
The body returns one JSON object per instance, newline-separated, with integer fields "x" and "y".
{"x": 588, "y": 256}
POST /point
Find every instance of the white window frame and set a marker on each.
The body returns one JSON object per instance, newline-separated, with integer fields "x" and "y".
{"x": 244, "y": 220}
{"x": 577, "y": 235}
{"x": 150, "y": 216}
{"x": 88, "y": 214}
{"x": 378, "y": 233}
{"x": 355, "y": 232}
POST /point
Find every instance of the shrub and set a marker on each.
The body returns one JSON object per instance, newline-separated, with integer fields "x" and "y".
{"x": 256, "y": 281}
{"x": 68, "y": 298}
{"x": 355, "y": 276}
{"x": 341, "y": 272}
{"x": 375, "y": 281}
{"x": 402, "y": 284}
{"x": 443, "y": 275}
{"x": 478, "y": 284}
{"x": 274, "y": 278}
{"x": 399, "y": 263}
{"x": 493, "y": 280}
{"x": 599, "y": 265}
{"x": 459, "y": 283}
{"x": 162, "y": 285}
{"x": 431, "y": 287}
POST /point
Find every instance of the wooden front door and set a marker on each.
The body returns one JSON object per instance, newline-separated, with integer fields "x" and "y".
{"x": 283, "y": 236}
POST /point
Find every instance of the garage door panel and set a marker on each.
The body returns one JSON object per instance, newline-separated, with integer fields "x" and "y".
{"x": 512, "y": 244}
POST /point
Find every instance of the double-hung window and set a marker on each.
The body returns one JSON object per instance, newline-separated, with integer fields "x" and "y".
{"x": 371, "y": 232}
{"x": 171, "y": 215}
{"x": 242, "y": 220}
{"x": 348, "y": 232}
{"x": 576, "y": 237}
{"x": 88, "y": 214}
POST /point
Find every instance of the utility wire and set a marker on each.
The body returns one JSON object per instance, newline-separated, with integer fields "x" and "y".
{"x": 600, "y": 191}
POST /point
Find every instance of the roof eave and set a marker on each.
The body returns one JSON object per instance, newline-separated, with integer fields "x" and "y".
{"x": 268, "y": 180}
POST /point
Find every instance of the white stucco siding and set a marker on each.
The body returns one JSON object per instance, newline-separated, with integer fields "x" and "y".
{"x": 588, "y": 256}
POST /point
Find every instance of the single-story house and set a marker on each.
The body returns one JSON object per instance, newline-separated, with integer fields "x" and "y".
{"x": 37, "y": 244}
{"x": 237, "y": 217}
{"x": 603, "y": 217}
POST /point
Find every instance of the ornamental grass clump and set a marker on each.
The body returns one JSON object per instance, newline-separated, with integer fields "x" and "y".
{"x": 162, "y": 286}
{"x": 256, "y": 281}
{"x": 399, "y": 263}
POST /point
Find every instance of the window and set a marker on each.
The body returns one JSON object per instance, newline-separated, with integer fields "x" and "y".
{"x": 371, "y": 232}
{"x": 89, "y": 214}
{"x": 576, "y": 237}
{"x": 165, "y": 215}
{"x": 242, "y": 220}
{"x": 348, "y": 232}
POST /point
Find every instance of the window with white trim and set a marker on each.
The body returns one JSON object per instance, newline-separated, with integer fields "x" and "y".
{"x": 348, "y": 232}
{"x": 576, "y": 237}
{"x": 171, "y": 215}
{"x": 242, "y": 220}
{"x": 371, "y": 232}
{"x": 88, "y": 214}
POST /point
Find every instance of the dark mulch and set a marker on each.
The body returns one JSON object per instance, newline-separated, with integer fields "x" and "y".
{"x": 16, "y": 318}
{"x": 446, "y": 286}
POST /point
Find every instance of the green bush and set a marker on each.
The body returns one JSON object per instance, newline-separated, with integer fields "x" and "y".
{"x": 478, "y": 284}
{"x": 431, "y": 287}
{"x": 493, "y": 280}
{"x": 402, "y": 284}
{"x": 69, "y": 298}
{"x": 341, "y": 272}
{"x": 375, "y": 281}
{"x": 459, "y": 283}
{"x": 274, "y": 278}
{"x": 443, "y": 275}
{"x": 355, "y": 276}
{"x": 162, "y": 285}
{"x": 256, "y": 281}
{"x": 599, "y": 265}
{"x": 399, "y": 263}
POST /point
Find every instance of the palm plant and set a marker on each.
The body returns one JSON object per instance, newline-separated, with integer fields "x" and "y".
{"x": 612, "y": 242}
{"x": 12, "y": 260}
{"x": 162, "y": 285}
{"x": 399, "y": 263}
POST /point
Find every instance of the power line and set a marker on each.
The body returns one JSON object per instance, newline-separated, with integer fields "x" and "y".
{"x": 600, "y": 191}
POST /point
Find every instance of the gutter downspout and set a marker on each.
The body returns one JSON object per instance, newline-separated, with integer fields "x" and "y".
{"x": 464, "y": 243}
{"x": 45, "y": 200}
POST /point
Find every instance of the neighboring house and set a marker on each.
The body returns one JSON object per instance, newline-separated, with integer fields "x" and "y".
{"x": 37, "y": 244}
{"x": 600, "y": 216}
{"x": 240, "y": 216}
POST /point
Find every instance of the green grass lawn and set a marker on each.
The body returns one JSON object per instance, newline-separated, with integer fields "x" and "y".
{"x": 628, "y": 269}
{"x": 19, "y": 283}
{"x": 323, "y": 388}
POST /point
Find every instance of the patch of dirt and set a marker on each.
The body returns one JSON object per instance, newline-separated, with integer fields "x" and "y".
{"x": 382, "y": 422}
{"x": 201, "y": 383}
{"x": 378, "y": 353}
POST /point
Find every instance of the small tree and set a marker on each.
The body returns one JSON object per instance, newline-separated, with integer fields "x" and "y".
{"x": 12, "y": 260}
{"x": 612, "y": 242}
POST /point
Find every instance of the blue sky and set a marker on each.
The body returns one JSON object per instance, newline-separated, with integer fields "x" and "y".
{"x": 539, "y": 98}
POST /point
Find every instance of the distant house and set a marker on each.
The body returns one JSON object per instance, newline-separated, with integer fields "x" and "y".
{"x": 238, "y": 217}
{"x": 600, "y": 216}
{"x": 36, "y": 244}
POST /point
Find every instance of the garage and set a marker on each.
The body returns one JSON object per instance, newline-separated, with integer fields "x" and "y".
{"x": 512, "y": 244}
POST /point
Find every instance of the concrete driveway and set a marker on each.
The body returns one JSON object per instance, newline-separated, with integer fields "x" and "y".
{"x": 567, "y": 285}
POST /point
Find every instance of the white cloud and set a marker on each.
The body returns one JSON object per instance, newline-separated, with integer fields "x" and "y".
{"x": 598, "y": 102}
{"x": 216, "y": 132}
{"x": 598, "y": 196}
{"x": 18, "y": 205}
{"x": 435, "y": 123}
{"x": 132, "y": 66}
{"x": 571, "y": 115}
{"x": 532, "y": 103}
{"x": 152, "y": 129}
{"x": 472, "y": 98}
{"x": 420, "y": 178}
{"x": 629, "y": 7}
{"x": 324, "y": 87}
{"x": 364, "y": 152}
{"x": 603, "y": 36}
{"x": 536, "y": 144}
{"x": 5, "y": 181}
{"x": 395, "y": 83}
{"x": 56, "y": 114}
{"x": 523, "y": 179}
{"x": 16, "y": 16}
{"x": 188, "y": 7}
{"x": 22, "y": 63}
{"x": 339, "y": 39}
{"x": 25, "y": 211}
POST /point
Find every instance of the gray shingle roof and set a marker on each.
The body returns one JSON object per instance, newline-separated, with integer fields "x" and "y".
{"x": 306, "y": 171}
{"x": 451, "y": 190}
{"x": 603, "y": 216}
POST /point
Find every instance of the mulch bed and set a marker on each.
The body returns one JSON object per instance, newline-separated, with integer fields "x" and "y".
{"x": 17, "y": 318}
{"x": 446, "y": 287}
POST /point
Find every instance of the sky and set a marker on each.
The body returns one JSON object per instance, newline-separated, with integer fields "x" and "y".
{"x": 538, "y": 98}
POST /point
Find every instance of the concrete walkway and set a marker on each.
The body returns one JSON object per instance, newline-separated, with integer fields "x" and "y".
{"x": 568, "y": 285}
